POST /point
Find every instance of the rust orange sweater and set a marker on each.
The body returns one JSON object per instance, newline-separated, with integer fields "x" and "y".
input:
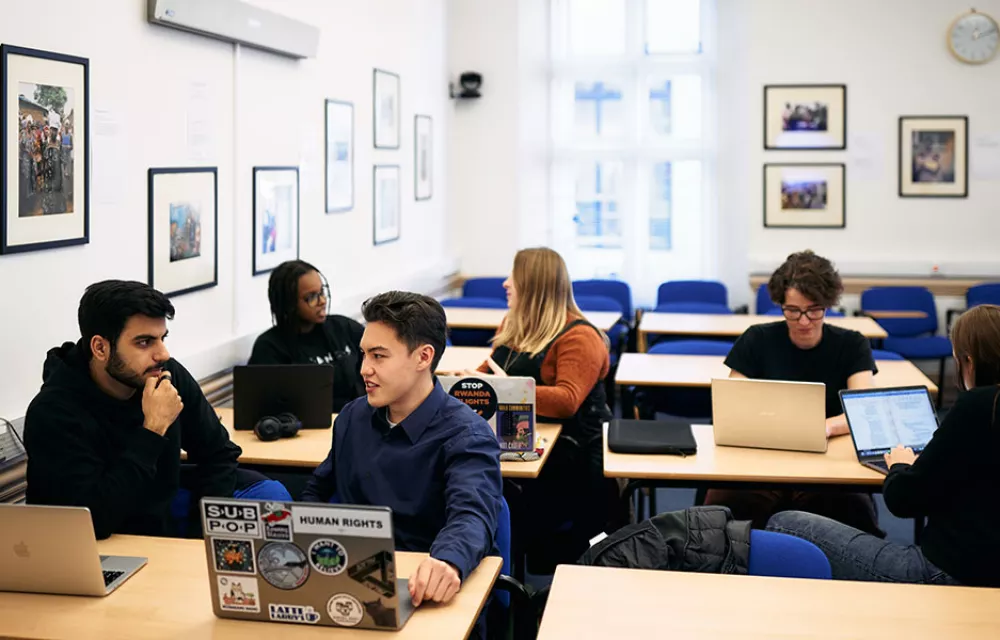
{"x": 573, "y": 366}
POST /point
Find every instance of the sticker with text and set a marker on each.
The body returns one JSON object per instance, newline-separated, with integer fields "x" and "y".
{"x": 238, "y": 594}
{"x": 327, "y": 556}
{"x": 232, "y": 518}
{"x": 331, "y": 521}
{"x": 345, "y": 610}
{"x": 233, "y": 556}
{"x": 283, "y": 565}
{"x": 292, "y": 613}
{"x": 277, "y": 522}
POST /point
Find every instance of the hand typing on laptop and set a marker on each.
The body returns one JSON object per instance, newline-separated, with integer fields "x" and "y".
{"x": 434, "y": 581}
{"x": 900, "y": 455}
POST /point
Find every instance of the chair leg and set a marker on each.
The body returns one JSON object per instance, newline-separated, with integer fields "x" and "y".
{"x": 940, "y": 394}
{"x": 652, "y": 502}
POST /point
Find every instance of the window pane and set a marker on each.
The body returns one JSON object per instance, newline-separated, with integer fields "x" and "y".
{"x": 673, "y": 26}
{"x": 599, "y": 110}
{"x": 675, "y": 107}
{"x": 676, "y": 191}
{"x": 598, "y": 217}
{"x": 597, "y": 27}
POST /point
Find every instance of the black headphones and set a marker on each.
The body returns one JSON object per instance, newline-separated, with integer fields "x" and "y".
{"x": 283, "y": 425}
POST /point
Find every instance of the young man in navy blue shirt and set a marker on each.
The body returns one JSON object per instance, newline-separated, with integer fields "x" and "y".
{"x": 410, "y": 446}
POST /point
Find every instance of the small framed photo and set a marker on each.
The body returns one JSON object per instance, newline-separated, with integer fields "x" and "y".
{"x": 183, "y": 229}
{"x": 385, "y": 106}
{"x": 423, "y": 157}
{"x": 933, "y": 156}
{"x": 339, "y": 156}
{"x": 386, "y": 204}
{"x": 44, "y": 150}
{"x": 805, "y": 196}
{"x": 805, "y": 117}
{"x": 275, "y": 217}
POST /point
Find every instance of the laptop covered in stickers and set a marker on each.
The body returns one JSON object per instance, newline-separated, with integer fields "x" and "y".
{"x": 304, "y": 563}
{"x": 506, "y": 403}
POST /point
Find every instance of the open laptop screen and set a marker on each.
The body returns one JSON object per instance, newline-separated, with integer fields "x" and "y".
{"x": 880, "y": 419}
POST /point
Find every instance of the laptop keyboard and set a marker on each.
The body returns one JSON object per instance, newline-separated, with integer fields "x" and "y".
{"x": 111, "y": 576}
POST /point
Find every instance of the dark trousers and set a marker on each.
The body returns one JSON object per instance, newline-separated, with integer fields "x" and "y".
{"x": 853, "y": 509}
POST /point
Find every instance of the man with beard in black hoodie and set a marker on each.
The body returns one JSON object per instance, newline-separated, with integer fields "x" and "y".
{"x": 107, "y": 428}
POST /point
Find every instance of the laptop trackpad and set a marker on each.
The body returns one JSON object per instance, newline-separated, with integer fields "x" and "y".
{"x": 406, "y": 607}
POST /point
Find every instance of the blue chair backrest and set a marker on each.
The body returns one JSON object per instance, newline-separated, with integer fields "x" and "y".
{"x": 764, "y": 304}
{"x": 830, "y": 313}
{"x": 475, "y": 303}
{"x": 713, "y": 308}
{"x": 692, "y": 348}
{"x": 902, "y": 299}
{"x": 882, "y": 354}
{"x": 598, "y": 303}
{"x": 504, "y": 544}
{"x": 484, "y": 288}
{"x": 780, "y": 555}
{"x": 616, "y": 289}
{"x": 692, "y": 291}
{"x": 983, "y": 294}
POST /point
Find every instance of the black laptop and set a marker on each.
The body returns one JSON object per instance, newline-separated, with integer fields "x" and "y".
{"x": 880, "y": 419}
{"x": 305, "y": 390}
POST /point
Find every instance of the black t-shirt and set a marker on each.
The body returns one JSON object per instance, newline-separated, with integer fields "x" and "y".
{"x": 766, "y": 352}
{"x": 336, "y": 342}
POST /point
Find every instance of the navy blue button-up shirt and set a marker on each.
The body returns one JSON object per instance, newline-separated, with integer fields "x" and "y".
{"x": 438, "y": 470}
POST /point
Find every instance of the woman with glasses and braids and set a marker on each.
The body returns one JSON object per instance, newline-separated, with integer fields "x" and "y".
{"x": 303, "y": 333}
{"x": 803, "y": 348}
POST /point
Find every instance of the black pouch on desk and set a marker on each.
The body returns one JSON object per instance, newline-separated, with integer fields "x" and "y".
{"x": 651, "y": 436}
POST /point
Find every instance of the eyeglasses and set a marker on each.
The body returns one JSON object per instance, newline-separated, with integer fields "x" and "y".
{"x": 312, "y": 299}
{"x": 794, "y": 313}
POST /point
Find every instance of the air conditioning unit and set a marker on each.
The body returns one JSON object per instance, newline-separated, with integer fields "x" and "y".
{"x": 236, "y": 21}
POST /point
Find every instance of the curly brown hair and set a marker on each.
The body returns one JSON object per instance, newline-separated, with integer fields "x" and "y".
{"x": 814, "y": 276}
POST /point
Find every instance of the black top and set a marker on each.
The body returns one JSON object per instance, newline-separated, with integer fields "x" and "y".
{"x": 766, "y": 352}
{"x": 954, "y": 483}
{"x": 88, "y": 449}
{"x": 336, "y": 342}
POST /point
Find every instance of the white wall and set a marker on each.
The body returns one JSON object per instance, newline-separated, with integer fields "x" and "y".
{"x": 893, "y": 57}
{"x": 263, "y": 110}
{"x": 498, "y": 167}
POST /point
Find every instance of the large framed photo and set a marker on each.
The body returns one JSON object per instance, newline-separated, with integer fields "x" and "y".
{"x": 275, "y": 217}
{"x": 183, "y": 229}
{"x": 44, "y": 150}
{"x": 385, "y": 106}
{"x": 805, "y": 117}
{"x": 805, "y": 196}
{"x": 933, "y": 156}
{"x": 339, "y": 156}
{"x": 386, "y": 204}
{"x": 423, "y": 157}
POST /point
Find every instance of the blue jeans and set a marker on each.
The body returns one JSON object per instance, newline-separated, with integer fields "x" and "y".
{"x": 855, "y": 555}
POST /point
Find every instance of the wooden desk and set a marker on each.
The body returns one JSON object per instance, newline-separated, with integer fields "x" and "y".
{"x": 661, "y": 370}
{"x": 464, "y": 318}
{"x": 169, "y": 598}
{"x": 733, "y": 326}
{"x": 462, "y": 358}
{"x": 308, "y": 449}
{"x": 939, "y": 286}
{"x": 716, "y": 465}
{"x": 894, "y": 315}
{"x": 600, "y": 602}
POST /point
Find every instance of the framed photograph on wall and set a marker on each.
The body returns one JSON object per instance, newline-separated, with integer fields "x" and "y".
{"x": 934, "y": 156}
{"x": 385, "y": 109}
{"x": 805, "y": 116}
{"x": 805, "y": 196}
{"x": 386, "y": 204}
{"x": 44, "y": 150}
{"x": 275, "y": 217}
{"x": 423, "y": 157}
{"x": 339, "y": 156}
{"x": 183, "y": 229}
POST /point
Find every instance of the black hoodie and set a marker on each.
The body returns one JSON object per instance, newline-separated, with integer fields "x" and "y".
{"x": 88, "y": 449}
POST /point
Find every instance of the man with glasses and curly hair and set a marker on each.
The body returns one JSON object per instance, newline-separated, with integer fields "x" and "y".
{"x": 803, "y": 348}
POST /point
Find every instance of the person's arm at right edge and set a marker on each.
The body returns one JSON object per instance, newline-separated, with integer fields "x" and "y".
{"x": 66, "y": 468}
{"x": 323, "y": 482}
{"x": 913, "y": 490}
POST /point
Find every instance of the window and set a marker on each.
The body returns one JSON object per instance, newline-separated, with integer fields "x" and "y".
{"x": 632, "y": 100}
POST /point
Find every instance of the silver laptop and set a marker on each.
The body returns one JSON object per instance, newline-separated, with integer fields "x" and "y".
{"x": 880, "y": 419}
{"x": 507, "y": 404}
{"x": 769, "y": 414}
{"x": 53, "y": 550}
{"x": 315, "y": 564}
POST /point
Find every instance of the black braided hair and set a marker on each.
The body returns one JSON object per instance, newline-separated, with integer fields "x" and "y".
{"x": 283, "y": 294}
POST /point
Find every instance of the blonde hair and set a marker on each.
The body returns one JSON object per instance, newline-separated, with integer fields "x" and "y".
{"x": 544, "y": 301}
